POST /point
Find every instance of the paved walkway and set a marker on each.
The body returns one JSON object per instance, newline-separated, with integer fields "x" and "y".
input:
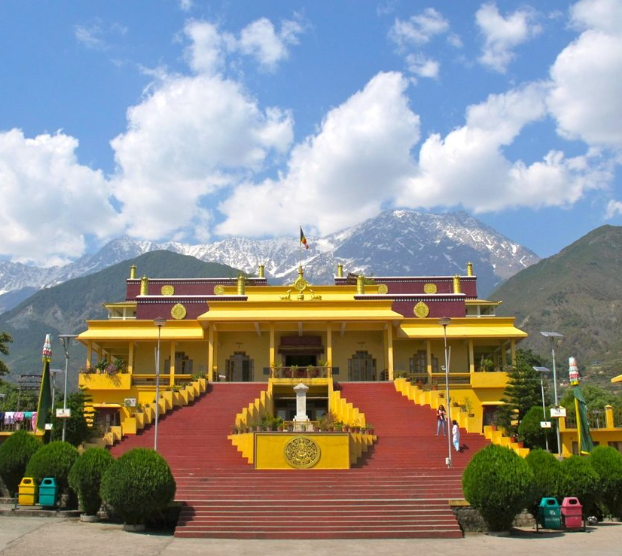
{"x": 34, "y": 536}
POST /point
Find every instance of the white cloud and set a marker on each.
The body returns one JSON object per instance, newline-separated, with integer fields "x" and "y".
{"x": 260, "y": 40}
{"x": 422, "y": 66}
{"x": 614, "y": 208}
{"x": 186, "y": 5}
{"x": 503, "y": 34}
{"x": 418, "y": 29}
{"x": 50, "y": 202}
{"x": 586, "y": 92}
{"x": 359, "y": 158}
{"x": 189, "y": 137}
{"x": 91, "y": 37}
{"x": 208, "y": 47}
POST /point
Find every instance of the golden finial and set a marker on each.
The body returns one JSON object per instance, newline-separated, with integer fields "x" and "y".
{"x": 241, "y": 284}
{"x": 144, "y": 286}
{"x": 360, "y": 284}
{"x": 133, "y": 272}
{"x": 262, "y": 271}
{"x": 457, "y": 284}
{"x": 469, "y": 268}
{"x": 339, "y": 270}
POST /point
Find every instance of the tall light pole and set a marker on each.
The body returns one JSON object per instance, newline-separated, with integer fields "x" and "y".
{"x": 66, "y": 338}
{"x": 553, "y": 336}
{"x": 444, "y": 322}
{"x": 159, "y": 322}
{"x": 541, "y": 371}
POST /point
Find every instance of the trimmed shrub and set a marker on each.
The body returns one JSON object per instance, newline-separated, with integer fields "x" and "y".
{"x": 547, "y": 474}
{"x": 531, "y": 431}
{"x": 53, "y": 460}
{"x": 15, "y": 453}
{"x": 580, "y": 480}
{"x": 607, "y": 462}
{"x": 138, "y": 485}
{"x": 86, "y": 475}
{"x": 498, "y": 483}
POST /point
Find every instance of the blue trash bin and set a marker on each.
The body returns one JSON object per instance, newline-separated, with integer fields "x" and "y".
{"x": 48, "y": 492}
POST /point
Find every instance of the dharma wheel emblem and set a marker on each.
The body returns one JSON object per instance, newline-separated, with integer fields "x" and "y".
{"x": 219, "y": 290}
{"x": 421, "y": 310}
{"x": 383, "y": 288}
{"x": 302, "y": 453}
{"x": 178, "y": 311}
{"x": 430, "y": 288}
{"x": 168, "y": 290}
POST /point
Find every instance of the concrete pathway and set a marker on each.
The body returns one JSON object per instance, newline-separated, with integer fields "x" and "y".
{"x": 34, "y": 536}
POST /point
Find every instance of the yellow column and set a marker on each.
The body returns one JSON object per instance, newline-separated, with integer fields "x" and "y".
{"x": 210, "y": 353}
{"x": 130, "y": 359}
{"x": 428, "y": 355}
{"x": 329, "y": 347}
{"x": 272, "y": 349}
{"x": 513, "y": 351}
{"x": 609, "y": 417}
{"x": 171, "y": 380}
{"x": 89, "y": 353}
{"x": 471, "y": 357}
{"x": 390, "y": 350}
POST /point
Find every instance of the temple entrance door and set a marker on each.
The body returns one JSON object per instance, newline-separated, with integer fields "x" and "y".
{"x": 362, "y": 367}
{"x": 240, "y": 368}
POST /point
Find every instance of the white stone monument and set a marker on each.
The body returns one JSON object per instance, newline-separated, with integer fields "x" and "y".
{"x": 301, "y": 421}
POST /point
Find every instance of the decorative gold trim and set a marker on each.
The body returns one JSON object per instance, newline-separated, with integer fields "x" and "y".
{"x": 302, "y": 452}
{"x": 178, "y": 311}
{"x": 383, "y": 288}
{"x": 219, "y": 290}
{"x": 421, "y": 310}
{"x": 430, "y": 288}
{"x": 168, "y": 290}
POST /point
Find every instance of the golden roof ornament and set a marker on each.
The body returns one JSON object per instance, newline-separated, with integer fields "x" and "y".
{"x": 300, "y": 285}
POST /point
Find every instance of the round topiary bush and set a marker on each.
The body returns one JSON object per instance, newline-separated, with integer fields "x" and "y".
{"x": 499, "y": 484}
{"x": 15, "y": 453}
{"x": 547, "y": 476}
{"x": 531, "y": 431}
{"x": 86, "y": 475}
{"x": 579, "y": 479}
{"x": 138, "y": 485}
{"x": 607, "y": 462}
{"x": 53, "y": 460}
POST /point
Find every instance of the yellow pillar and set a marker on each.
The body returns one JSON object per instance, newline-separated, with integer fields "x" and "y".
{"x": 471, "y": 357}
{"x": 130, "y": 359}
{"x": 329, "y": 347}
{"x": 390, "y": 350}
{"x": 210, "y": 353}
{"x": 609, "y": 417}
{"x": 428, "y": 356}
{"x": 171, "y": 371}
{"x": 89, "y": 353}
{"x": 513, "y": 351}
{"x": 272, "y": 349}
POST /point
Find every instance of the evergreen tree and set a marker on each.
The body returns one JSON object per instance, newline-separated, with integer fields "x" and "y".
{"x": 4, "y": 340}
{"x": 522, "y": 391}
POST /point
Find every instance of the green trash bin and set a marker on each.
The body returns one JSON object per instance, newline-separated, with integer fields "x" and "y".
{"x": 48, "y": 492}
{"x": 549, "y": 514}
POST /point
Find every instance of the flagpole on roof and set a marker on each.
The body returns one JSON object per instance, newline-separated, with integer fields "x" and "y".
{"x": 300, "y": 248}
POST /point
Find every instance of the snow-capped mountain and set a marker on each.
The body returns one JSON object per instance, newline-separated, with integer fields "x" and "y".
{"x": 398, "y": 242}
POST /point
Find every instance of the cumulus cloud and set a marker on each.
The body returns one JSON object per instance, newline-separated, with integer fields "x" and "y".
{"x": 503, "y": 34}
{"x": 614, "y": 208}
{"x": 419, "y": 28}
{"x": 359, "y": 158}
{"x": 50, "y": 202}
{"x": 586, "y": 92}
{"x": 261, "y": 40}
{"x": 422, "y": 66}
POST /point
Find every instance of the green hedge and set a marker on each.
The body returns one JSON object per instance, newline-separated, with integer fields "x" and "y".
{"x": 138, "y": 485}
{"x": 53, "y": 460}
{"x": 547, "y": 474}
{"x": 607, "y": 462}
{"x": 86, "y": 475}
{"x": 579, "y": 479}
{"x": 15, "y": 453}
{"x": 498, "y": 483}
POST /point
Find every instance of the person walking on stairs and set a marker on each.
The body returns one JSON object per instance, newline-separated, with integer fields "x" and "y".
{"x": 455, "y": 435}
{"x": 441, "y": 420}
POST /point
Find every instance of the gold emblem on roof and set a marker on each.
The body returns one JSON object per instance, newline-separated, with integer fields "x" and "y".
{"x": 300, "y": 285}
{"x": 421, "y": 310}
{"x": 430, "y": 288}
{"x": 219, "y": 290}
{"x": 383, "y": 288}
{"x": 178, "y": 311}
{"x": 302, "y": 453}
{"x": 168, "y": 290}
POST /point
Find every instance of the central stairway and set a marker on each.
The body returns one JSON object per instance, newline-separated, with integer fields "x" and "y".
{"x": 399, "y": 489}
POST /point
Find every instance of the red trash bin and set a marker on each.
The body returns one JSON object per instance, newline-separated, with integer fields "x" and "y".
{"x": 572, "y": 513}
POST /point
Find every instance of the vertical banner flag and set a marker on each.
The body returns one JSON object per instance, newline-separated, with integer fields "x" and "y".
{"x": 45, "y": 394}
{"x": 303, "y": 239}
{"x": 583, "y": 428}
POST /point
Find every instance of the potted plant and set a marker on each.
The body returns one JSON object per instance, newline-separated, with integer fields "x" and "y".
{"x": 370, "y": 428}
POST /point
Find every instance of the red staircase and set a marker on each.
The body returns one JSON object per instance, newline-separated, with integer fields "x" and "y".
{"x": 400, "y": 489}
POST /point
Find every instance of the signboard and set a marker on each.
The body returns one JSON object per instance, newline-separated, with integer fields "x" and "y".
{"x": 63, "y": 413}
{"x": 557, "y": 412}
{"x": 130, "y": 402}
{"x": 545, "y": 424}
{"x": 48, "y": 426}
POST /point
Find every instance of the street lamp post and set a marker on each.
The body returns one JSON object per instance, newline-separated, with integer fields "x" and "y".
{"x": 541, "y": 371}
{"x": 65, "y": 338}
{"x": 159, "y": 322}
{"x": 553, "y": 336}
{"x": 444, "y": 322}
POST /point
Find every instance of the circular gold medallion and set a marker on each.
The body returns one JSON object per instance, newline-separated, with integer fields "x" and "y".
{"x": 430, "y": 288}
{"x": 168, "y": 290}
{"x": 178, "y": 311}
{"x": 301, "y": 453}
{"x": 383, "y": 288}
{"x": 421, "y": 310}
{"x": 219, "y": 290}
{"x": 300, "y": 284}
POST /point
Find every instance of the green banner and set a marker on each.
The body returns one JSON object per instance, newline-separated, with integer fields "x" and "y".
{"x": 583, "y": 428}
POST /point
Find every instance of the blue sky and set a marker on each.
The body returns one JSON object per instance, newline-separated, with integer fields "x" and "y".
{"x": 188, "y": 120}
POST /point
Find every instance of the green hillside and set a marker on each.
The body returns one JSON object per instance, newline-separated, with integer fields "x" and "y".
{"x": 578, "y": 293}
{"x": 66, "y": 307}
